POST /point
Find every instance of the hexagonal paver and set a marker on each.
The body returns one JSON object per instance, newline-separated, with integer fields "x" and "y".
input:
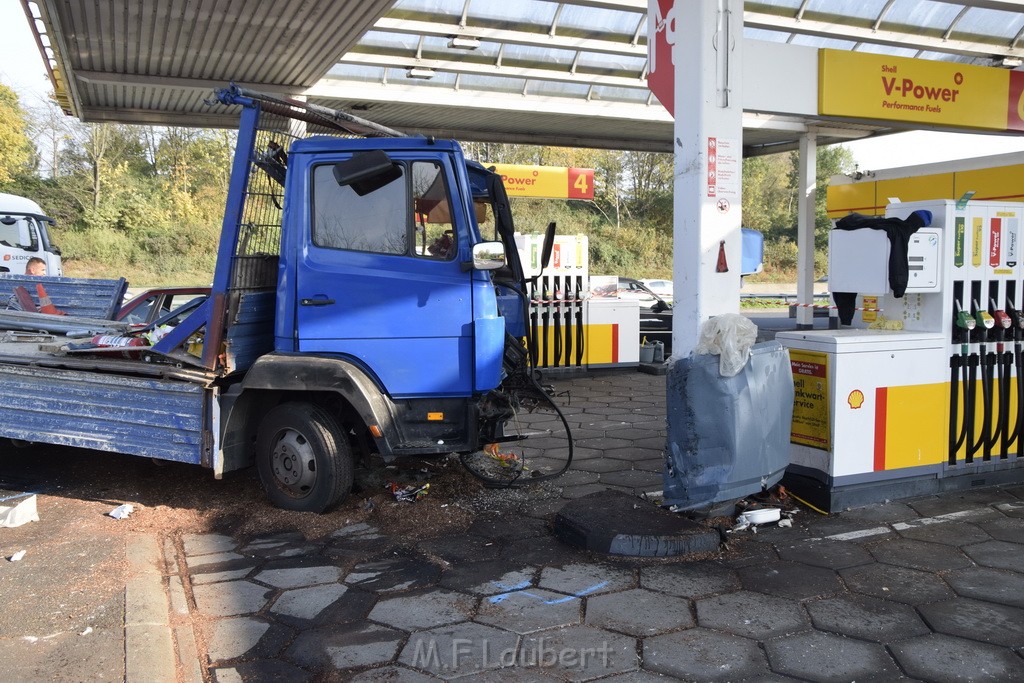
{"x": 945, "y": 659}
{"x": 309, "y": 602}
{"x": 602, "y": 465}
{"x": 636, "y": 479}
{"x": 753, "y": 615}
{"x": 573, "y": 492}
{"x": 232, "y": 638}
{"x": 991, "y": 585}
{"x": 866, "y": 618}
{"x": 458, "y": 548}
{"x": 1005, "y": 529}
{"x": 392, "y": 674}
{"x": 460, "y": 650}
{"x": 396, "y": 572}
{"x": 997, "y": 554}
{"x": 259, "y": 670}
{"x": 977, "y": 620}
{"x": 578, "y": 653}
{"x": 929, "y": 557}
{"x": 526, "y": 611}
{"x": 205, "y": 544}
{"x": 604, "y": 443}
{"x": 346, "y": 646}
{"x": 586, "y": 579}
{"x": 748, "y": 553}
{"x": 695, "y": 580}
{"x": 639, "y": 612}
{"x": 827, "y": 657}
{"x": 505, "y": 528}
{"x": 424, "y": 610}
{"x": 910, "y": 586}
{"x": 949, "y": 533}
{"x": 790, "y": 580}
{"x": 828, "y": 554}
{"x": 488, "y": 578}
{"x": 298, "y": 577}
{"x": 702, "y": 655}
{"x": 635, "y": 453}
{"x": 230, "y": 598}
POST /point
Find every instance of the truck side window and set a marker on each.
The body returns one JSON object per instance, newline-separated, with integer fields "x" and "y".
{"x": 376, "y": 222}
{"x": 435, "y": 234}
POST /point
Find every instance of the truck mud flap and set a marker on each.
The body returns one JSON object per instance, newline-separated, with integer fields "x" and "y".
{"x": 154, "y": 418}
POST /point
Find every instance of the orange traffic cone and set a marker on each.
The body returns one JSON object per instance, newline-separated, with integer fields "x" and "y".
{"x": 45, "y": 305}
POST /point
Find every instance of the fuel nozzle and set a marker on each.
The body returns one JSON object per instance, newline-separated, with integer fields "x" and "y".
{"x": 1016, "y": 315}
{"x": 964, "y": 320}
{"x": 1002, "y": 320}
{"x": 985, "y": 321}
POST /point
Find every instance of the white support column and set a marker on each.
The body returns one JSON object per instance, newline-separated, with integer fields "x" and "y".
{"x": 808, "y": 189}
{"x": 708, "y": 147}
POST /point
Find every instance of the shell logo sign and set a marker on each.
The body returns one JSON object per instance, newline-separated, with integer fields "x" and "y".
{"x": 553, "y": 182}
{"x": 855, "y": 399}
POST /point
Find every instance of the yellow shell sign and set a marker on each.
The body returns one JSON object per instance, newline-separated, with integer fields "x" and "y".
{"x": 556, "y": 182}
{"x": 873, "y": 86}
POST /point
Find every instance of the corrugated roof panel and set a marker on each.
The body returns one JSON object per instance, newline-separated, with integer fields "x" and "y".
{"x": 920, "y": 14}
{"x": 978, "y": 23}
{"x": 861, "y": 9}
{"x": 503, "y": 12}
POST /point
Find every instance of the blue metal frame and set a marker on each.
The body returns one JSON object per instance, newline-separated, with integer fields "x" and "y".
{"x": 211, "y": 313}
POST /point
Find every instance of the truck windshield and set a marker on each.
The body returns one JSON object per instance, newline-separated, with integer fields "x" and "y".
{"x": 20, "y": 232}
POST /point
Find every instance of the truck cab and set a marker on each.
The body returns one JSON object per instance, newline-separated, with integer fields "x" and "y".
{"x": 24, "y": 236}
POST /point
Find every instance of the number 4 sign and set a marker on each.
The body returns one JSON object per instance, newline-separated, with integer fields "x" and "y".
{"x": 581, "y": 183}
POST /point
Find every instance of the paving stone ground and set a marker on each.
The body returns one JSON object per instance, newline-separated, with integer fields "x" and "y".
{"x": 924, "y": 598}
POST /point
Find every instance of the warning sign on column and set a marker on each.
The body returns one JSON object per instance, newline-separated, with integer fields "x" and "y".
{"x": 724, "y": 169}
{"x": 811, "y": 425}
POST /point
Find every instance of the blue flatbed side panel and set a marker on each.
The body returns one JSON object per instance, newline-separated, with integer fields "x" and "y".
{"x": 251, "y": 333}
{"x": 80, "y": 297}
{"x": 149, "y": 417}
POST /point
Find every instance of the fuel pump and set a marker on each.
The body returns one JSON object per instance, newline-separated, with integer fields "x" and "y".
{"x": 924, "y": 394}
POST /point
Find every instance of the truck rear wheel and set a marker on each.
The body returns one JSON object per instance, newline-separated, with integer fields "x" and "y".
{"x": 304, "y": 459}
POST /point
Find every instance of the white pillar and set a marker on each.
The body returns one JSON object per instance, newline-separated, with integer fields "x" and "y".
{"x": 708, "y": 139}
{"x": 808, "y": 189}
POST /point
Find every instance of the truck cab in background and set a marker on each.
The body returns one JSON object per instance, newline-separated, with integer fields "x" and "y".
{"x": 24, "y": 235}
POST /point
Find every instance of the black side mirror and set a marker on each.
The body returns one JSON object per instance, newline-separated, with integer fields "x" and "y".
{"x": 367, "y": 172}
{"x": 549, "y": 245}
{"x": 8, "y": 220}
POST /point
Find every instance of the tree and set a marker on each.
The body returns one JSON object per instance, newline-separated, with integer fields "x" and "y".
{"x": 16, "y": 150}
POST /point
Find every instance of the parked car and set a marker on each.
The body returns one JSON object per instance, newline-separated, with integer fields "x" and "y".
{"x": 663, "y": 288}
{"x": 637, "y": 291}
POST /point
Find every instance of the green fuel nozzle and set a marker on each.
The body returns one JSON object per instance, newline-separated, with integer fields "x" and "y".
{"x": 963, "y": 319}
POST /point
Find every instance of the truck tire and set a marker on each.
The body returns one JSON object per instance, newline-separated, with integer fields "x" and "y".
{"x": 304, "y": 460}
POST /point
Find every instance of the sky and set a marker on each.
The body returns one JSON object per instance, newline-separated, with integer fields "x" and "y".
{"x": 22, "y": 68}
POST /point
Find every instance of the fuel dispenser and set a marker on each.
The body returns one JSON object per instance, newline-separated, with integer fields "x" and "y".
{"x": 919, "y": 393}
{"x": 568, "y": 329}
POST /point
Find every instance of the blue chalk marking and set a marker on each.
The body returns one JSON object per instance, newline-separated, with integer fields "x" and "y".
{"x": 512, "y": 590}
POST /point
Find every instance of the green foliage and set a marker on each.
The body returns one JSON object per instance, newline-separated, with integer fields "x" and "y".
{"x": 15, "y": 147}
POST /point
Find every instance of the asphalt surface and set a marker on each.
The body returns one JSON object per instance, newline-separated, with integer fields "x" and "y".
{"x": 923, "y": 589}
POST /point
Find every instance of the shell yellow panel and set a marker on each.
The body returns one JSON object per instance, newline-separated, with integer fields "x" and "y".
{"x": 1005, "y": 182}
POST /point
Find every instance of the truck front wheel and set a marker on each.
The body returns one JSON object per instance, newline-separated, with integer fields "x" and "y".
{"x": 304, "y": 459}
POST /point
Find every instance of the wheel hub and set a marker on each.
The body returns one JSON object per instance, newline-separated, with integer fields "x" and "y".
{"x": 293, "y": 463}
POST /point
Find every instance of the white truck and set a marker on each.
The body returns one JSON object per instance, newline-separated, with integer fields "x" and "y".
{"x": 24, "y": 235}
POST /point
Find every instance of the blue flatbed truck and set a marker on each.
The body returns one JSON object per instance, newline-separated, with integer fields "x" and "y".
{"x": 357, "y": 307}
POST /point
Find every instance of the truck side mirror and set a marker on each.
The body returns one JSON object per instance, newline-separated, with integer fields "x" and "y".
{"x": 8, "y": 220}
{"x": 488, "y": 255}
{"x": 367, "y": 172}
{"x": 549, "y": 244}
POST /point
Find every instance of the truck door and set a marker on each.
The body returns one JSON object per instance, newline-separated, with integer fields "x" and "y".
{"x": 379, "y": 279}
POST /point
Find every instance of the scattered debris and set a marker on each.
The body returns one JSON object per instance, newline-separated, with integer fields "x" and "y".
{"x": 503, "y": 459}
{"x": 122, "y": 511}
{"x": 408, "y": 493}
{"x": 87, "y": 631}
{"x": 16, "y": 557}
{"x": 22, "y": 513}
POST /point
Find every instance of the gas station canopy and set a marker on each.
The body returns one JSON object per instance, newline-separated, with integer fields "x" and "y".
{"x": 537, "y": 71}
